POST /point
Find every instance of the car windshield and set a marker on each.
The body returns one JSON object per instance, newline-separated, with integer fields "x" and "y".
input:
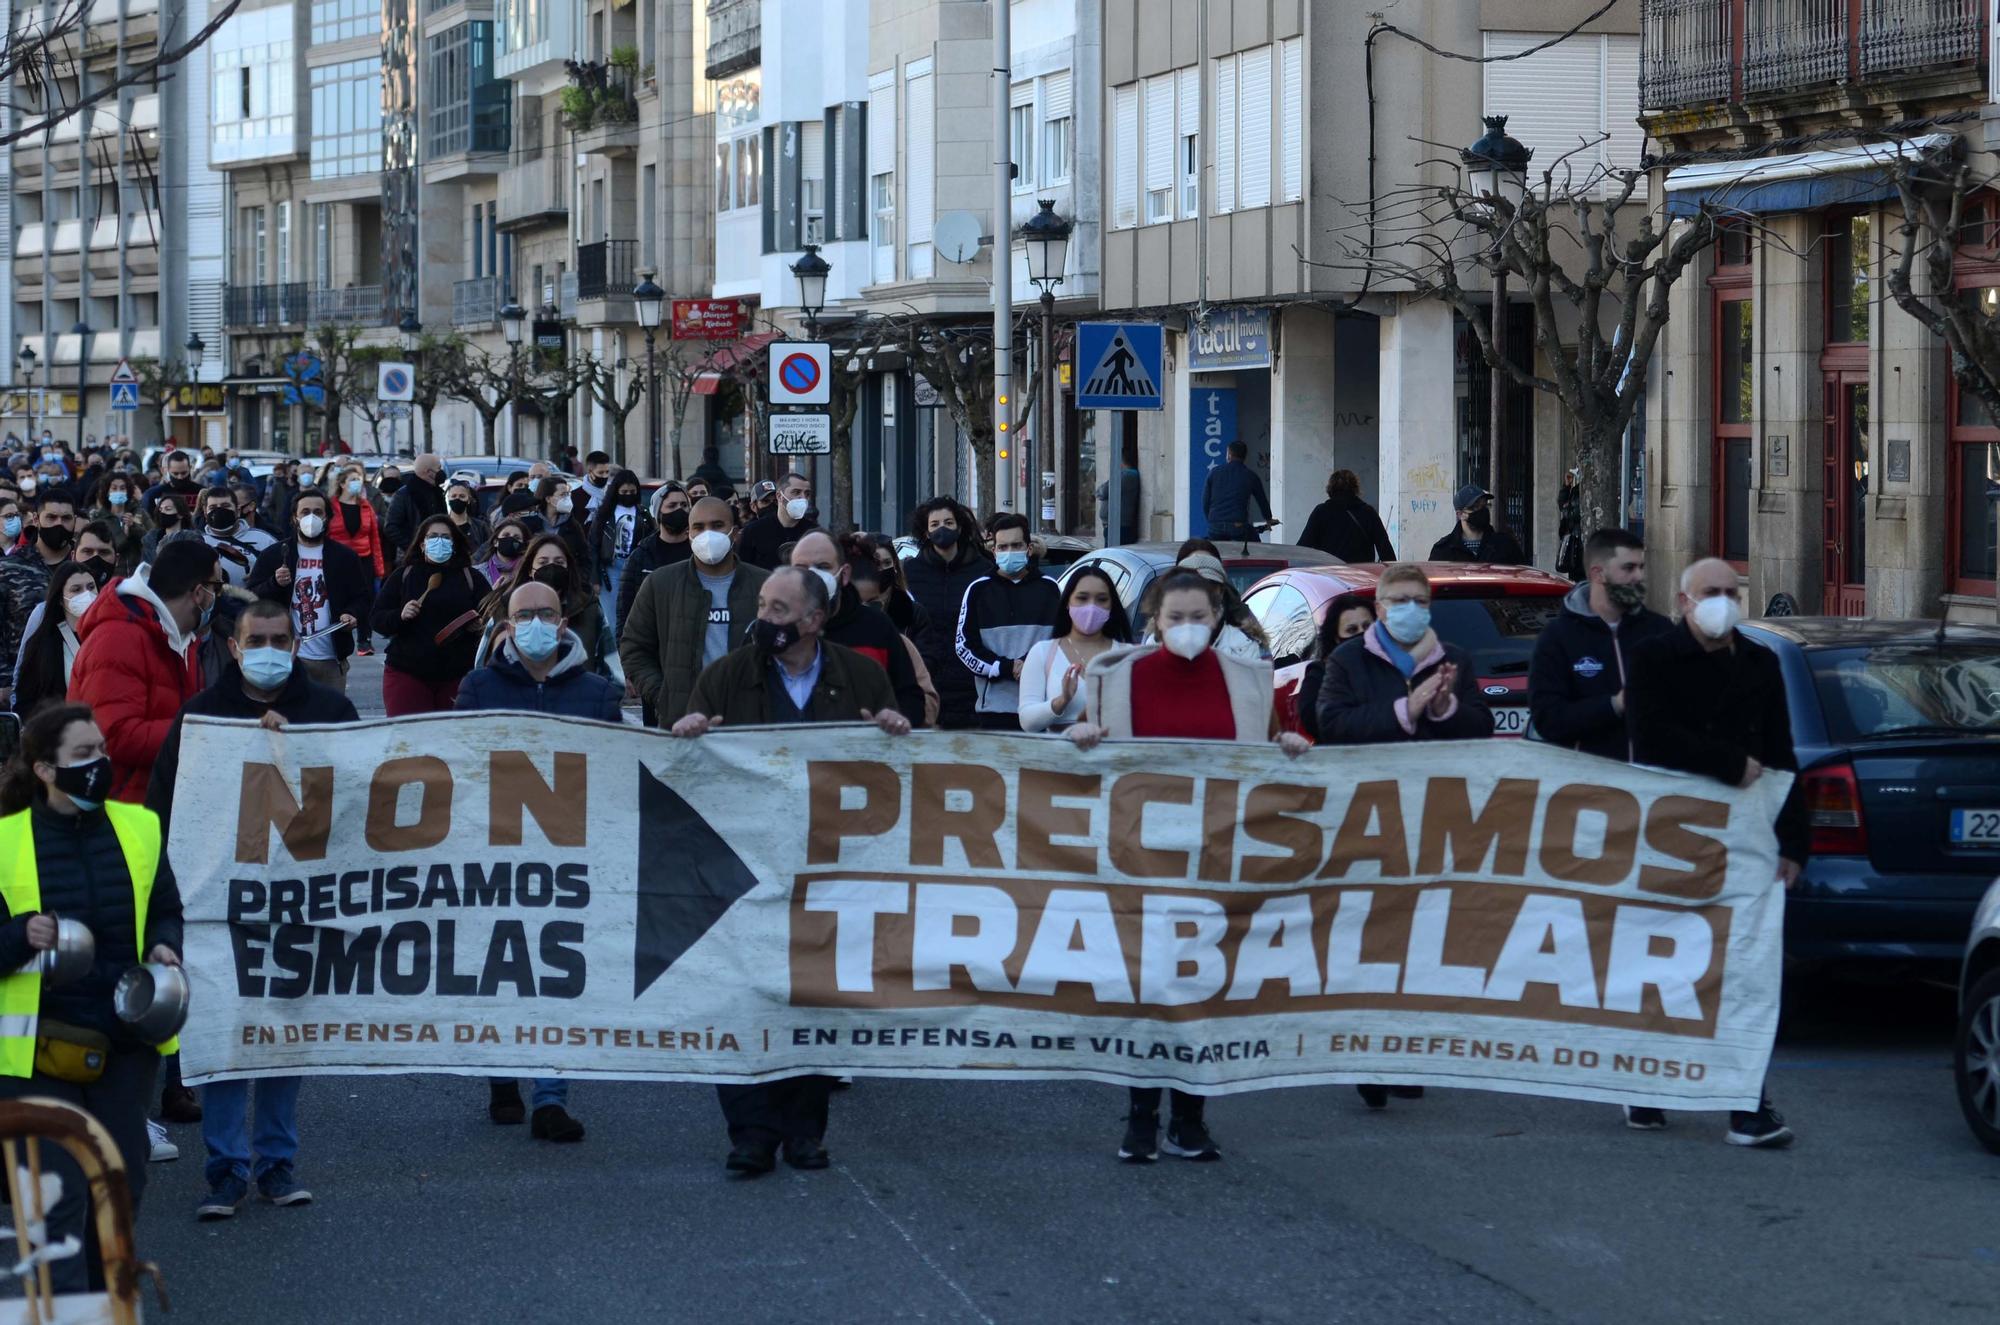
{"x": 1499, "y": 632}
{"x": 1890, "y": 688}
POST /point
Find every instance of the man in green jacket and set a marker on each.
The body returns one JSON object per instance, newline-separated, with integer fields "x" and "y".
{"x": 687, "y": 616}
{"x": 787, "y": 673}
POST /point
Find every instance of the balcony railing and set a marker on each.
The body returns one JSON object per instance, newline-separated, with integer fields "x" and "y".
{"x": 607, "y": 269}
{"x": 1685, "y": 58}
{"x": 353, "y": 305}
{"x": 1793, "y": 44}
{"x": 533, "y": 193}
{"x": 1918, "y": 34}
{"x": 475, "y": 302}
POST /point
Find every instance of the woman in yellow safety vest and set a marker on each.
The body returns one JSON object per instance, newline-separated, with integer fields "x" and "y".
{"x": 68, "y": 851}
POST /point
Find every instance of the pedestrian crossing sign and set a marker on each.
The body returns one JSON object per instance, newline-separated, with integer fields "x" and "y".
{"x": 124, "y": 395}
{"x": 1124, "y": 361}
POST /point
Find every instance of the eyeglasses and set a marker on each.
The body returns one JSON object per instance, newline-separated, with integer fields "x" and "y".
{"x": 548, "y": 614}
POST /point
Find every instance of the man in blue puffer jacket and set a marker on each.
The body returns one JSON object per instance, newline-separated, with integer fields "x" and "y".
{"x": 539, "y": 666}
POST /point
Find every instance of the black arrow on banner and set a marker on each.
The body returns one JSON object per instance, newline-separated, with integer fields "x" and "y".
{"x": 688, "y": 880}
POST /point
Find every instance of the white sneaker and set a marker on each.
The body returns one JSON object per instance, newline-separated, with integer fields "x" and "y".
{"x": 163, "y": 1148}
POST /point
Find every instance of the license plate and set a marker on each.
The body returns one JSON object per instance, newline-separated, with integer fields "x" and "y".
{"x": 1513, "y": 721}
{"x": 1975, "y": 828}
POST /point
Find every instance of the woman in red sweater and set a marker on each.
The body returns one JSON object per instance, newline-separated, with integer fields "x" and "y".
{"x": 1179, "y": 689}
{"x": 357, "y": 526}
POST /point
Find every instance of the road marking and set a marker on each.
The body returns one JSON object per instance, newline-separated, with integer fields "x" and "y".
{"x": 922, "y": 1255}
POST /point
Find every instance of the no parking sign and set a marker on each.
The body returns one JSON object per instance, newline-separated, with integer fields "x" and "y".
{"x": 799, "y": 372}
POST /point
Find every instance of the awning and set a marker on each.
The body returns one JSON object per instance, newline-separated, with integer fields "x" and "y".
{"x": 1797, "y": 182}
{"x": 711, "y": 372}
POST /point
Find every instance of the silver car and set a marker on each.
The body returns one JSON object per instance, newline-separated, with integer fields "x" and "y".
{"x": 1976, "y": 1055}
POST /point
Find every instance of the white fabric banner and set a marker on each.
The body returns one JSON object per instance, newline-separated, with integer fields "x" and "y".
{"x": 519, "y": 895}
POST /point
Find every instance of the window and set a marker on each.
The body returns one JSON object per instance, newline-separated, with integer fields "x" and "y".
{"x": 251, "y": 106}
{"x": 1056, "y": 128}
{"x": 284, "y": 243}
{"x": 469, "y": 109}
{"x": 338, "y": 20}
{"x": 522, "y": 23}
{"x": 347, "y": 118}
{"x": 1575, "y": 103}
{"x": 1972, "y": 481}
{"x": 739, "y": 147}
{"x": 1734, "y": 405}
{"x": 1159, "y": 149}
{"x": 255, "y": 239}
{"x": 812, "y": 180}
{"x": 1291, "y": 120}
{"x": 1187, "y": 157}
{"x": 648, "y": 214}
{"x": 919, "y": 162}
{"x": 1155, "y": 156}
{"x": 1243, "y": 129}
{"x": 323, "y": 245}
{"x": 478, "y": 240}
{"x": 1125, "y": 156}
{"x": 1847, "y": 279}
{"x": 881, "y": 130}
{"x": 883, "y": 202}
{"x": 1021, "y": 136}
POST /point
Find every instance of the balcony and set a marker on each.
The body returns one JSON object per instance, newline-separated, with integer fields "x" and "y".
{"x": 351, "y": 306}
{"x": 249, "y": 307}
{"x": 607, "y": 269}
{"x": 533, "y": 194}
{"x": 475, "y": 303}
{"x": 600, "y": 109}
{"x": 1788, "y": 47}
{"x": 28, "y": 244}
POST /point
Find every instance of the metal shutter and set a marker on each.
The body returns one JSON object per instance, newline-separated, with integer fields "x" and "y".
{"x": 1055, "y": 96}
{"x": 1254, "y": 165}
{"x": 1621, "y": 106}
{"x": 1125, "y": 156}
{"x": 1553, "y": 101}
{"x": 1292, "y": 120}
{"x": 1225, "y": 134}
{"x": 1160, "y": 136}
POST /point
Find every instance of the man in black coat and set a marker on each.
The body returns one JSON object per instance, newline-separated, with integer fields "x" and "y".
{"x": 1474, "y": 538}
{"x": 787, "y": 522}
{"x": 859, "y": 626}
{"x": 1576, "y": 683}
{"x": 1703, "y": 699}
{"x": 1345, "y": 526}
{"x": 416, "y": 501}
{"x": 667, "y": 545}
{"x": 325, "y": 585}
{"x": 937, "y": 578}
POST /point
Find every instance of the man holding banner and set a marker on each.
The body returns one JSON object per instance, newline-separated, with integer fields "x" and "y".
{"x": 787, "y": 674}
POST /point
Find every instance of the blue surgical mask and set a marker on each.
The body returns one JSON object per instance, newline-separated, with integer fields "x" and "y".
{"x": 267, "y": 669}
{"x": 11, "y": 527}
{"x": 437, "y": 550}
{"x": 536, "y": 639}
{"x": 1011, "y": 563}
{"x": 118, "y": 496}
{"x": 1408, "y": 621}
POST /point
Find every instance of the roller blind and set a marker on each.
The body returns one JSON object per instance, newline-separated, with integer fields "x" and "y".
{"x": 1225, "y": 134}
{"x": 1125, "y": 156}
{"x": 919, "y": 184}
{"x": 1292, "y": 120}
{"x": 1253, "y": 188}
{"x": 1159, "y": 133}
{"x": 1055, "y": 96}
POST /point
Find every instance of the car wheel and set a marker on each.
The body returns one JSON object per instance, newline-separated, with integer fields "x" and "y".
{"x": 1976, "y": 1061}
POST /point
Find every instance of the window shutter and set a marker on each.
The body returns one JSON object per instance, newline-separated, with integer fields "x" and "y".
{"x": 1190, "y": 100}
{"x": 1553, "y": 101}
{"x": 1125, "y": 156}
{"x": 1225, "y": 134}
{"x": 1292, "y": 120}
{"x": 1159, "y": 133}
{"x": 1021, "y": 94}
{"x": 1627, "y": 146}
{"x": 919, "y": 189}
{"x": 882, "y": 130}
{"x": 1055, "y": 96}
{"x": 1255, "y": 152}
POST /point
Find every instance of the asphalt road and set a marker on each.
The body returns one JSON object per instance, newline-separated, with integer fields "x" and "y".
{"x": 961, "y": 1202}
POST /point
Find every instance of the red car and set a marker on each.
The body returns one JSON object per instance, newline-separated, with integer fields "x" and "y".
{"x": 1494, "y": 613}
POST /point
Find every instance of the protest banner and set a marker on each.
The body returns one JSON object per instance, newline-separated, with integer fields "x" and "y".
{"x": 519, "y": 895}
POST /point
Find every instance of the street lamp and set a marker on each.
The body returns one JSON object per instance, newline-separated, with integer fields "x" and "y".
{"x": 28, "y": 386}
{"x": 194, "y": 350}
{"x": 648, "y": 300}
{"x": 1496, "y": 169}
{"x": 812, "y": 271}
{"x": 1046, "y": 238}
{"x": 513, "y": 323}
{"x": 410, "y": 333}
{"x": 82, "y": 333}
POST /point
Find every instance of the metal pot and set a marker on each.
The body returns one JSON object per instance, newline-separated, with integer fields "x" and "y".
{"x": 72, "y": 957}
{"x": 152, "y": 999}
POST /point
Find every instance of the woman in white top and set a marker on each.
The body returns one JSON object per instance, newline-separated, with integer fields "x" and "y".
{"x": 1092, "y": 622}
{"x": 48, "y": 655}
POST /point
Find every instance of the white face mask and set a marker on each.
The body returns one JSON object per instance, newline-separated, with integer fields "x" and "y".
{"x": 1715, "y": 617}
{"x": 830, "y": 580}
{"x": 79, "y": 603}
{"x": 311, "y": 527}
{"x": 563, "y": 505}
{"x": 796, "y": 508}
{"x": 1188, "y": 640}
{"x": 710, "y": 546}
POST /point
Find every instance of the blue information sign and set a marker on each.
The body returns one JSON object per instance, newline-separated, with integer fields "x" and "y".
{"x": 1212, "y": 428}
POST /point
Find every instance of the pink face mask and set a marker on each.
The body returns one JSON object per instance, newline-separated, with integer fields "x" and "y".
{"x": 1088, "y": 618}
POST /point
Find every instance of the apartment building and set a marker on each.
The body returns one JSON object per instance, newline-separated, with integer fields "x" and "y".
{"x": 97, "y": 210}
{"x": 1804, "y": 426}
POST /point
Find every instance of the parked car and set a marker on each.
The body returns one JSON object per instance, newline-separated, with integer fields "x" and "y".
{"x": 1897, "y": 728}
{"x": 1134, "y": 566}
{"x": 1494, "y": 613}
{"x": 1976, "y": 1050}
{"x": 1057, "y": 549}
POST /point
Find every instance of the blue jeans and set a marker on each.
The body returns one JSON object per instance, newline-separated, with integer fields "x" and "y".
{"x": 548, "y": 1090}
{"x": 225, "y": 1127}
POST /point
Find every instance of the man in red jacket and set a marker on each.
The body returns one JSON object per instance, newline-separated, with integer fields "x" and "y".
{"x": 138, "y": 663}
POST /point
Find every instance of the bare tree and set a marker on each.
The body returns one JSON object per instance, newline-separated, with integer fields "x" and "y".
{"x": 331, "y": 361}
{"x": 680, "y": 365}
{"x": 1594, "y": 264}
{"x": 958, "y": 363}
{"x": 1935, "y": 190}
{"x": 601, "y": 379}
{"x": 38, "y": 52}
{"x": 486, "y": 381}
{"x": 159, "y": 381}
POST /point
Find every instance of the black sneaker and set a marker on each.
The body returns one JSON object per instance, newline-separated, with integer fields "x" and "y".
{"x": 552, "y": 1122}
{"x": 752, "y": 1160}
{"x": 1641, "y": 1119}
{"x": 804, "y": 1152}
{"x": 1188, "y": 1138}
{"x": 1764, "y": 1129}
{"x": 1142, "y": 1135}
{"x": 1375, "y": 1097}
{"x": 504, "y": 1104}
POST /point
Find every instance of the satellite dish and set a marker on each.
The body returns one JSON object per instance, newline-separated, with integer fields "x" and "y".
{"x": 956, "y": 236}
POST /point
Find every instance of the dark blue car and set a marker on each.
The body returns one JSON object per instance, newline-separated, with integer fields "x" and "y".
{"x": 1897, "y": 726}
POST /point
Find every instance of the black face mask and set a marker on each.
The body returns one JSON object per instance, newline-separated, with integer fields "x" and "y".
{"x": 627, "y": 499}
{"x": 221, "y": 519}
{"x": 1481, "y": 520}
{"x": 460, "y": 506}
{"x": 771, "y": 638}
{"x": 391, "y": 483}
{"x": 168, "y": 519}
{"x": 86, "y": 783}
{"x": 510, "y": 548}
{"x": 183, "y": 485}
{"x": 100, "y": 568}
{"x": 54, "y": 537}
{"x": 675, "y": 522}
{"x": 944, "y": 538}
{"x": 556, "y": 577}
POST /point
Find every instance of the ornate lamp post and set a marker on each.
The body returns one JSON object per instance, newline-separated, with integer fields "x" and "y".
{"x": 1046, "y": 239}
{"x": 648, "y": 300}
{"x": 1496, "y": 168}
